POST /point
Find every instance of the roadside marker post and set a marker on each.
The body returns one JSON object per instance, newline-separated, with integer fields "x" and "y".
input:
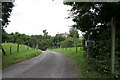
{"x": 89, "y": 43}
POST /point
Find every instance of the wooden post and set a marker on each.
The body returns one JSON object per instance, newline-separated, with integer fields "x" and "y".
{"x": 87, "y": 52}
{"x": 4, "y": 52}
{"x": 88, "y": 49}
{"x": 113, "y": 45}
{"x": 28, "y": 46}
{"x": 18, "y": 47}
{"x": 10, "y": 50}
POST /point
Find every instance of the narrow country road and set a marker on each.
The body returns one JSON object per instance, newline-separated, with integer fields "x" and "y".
{"x": 46, "y": 65}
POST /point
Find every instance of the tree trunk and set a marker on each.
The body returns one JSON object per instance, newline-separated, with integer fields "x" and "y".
{"x": 70, "y": 49}
{"x": 113, "y": 46}
{"x": 18, "y": 47}
{"x": 76, "y": 47}
{"x": 1, "y": 27}
{"x": 65, "y": 49}
{"x": 36, "y": 47}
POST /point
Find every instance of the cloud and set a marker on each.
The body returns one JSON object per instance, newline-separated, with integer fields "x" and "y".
{"x": 33, "y": 16}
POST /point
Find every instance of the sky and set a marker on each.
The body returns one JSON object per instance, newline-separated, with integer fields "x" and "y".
{"x": 31, "y": 17}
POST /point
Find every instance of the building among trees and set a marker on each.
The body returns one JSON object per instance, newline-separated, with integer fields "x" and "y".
{"x": 64, "y": 34}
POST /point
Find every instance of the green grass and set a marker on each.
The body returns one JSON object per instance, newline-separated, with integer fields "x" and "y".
{"x": 81, "y": 61}
{"x": 15, "y": 57}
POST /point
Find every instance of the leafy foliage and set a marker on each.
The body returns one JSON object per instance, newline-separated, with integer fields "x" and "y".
{"x": 6, "y": 11}
{"x": 92, "y": 19}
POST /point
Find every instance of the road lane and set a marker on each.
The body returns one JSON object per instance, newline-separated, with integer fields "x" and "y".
{"x": 46, "y": 65}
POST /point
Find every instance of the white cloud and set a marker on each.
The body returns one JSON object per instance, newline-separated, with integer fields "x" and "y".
{"x": 33, "y": 16}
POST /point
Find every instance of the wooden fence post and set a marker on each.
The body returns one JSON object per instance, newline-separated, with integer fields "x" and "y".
{"x": 18, "y": 47}
{"x": 88, "y": 48}
{"x": 28, "y": 47}
{"x": 4, "y": 52}
{"x": 10, "y": 50}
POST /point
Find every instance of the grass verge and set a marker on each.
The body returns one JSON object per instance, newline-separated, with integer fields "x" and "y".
{"x": 81, "y": 61}
{"x": 15, "y": 57}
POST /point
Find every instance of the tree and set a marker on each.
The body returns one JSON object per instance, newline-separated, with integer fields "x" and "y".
{"x": 33, "y": 42}
{"x": 6, "y": 10}
{"x": 69, "y": 42}
{"x": 45, "y": 34}
{"x": 80, "y": 40}
{"x": 4, "y": 36}
{"x": 45, "y": 43}
{"x": 57, "y": 39}
{"x": 75, "y": 41}
{"x": 63, "y": 44}
{"x": 92, "y": 19}
{"x": 74, "y": 33}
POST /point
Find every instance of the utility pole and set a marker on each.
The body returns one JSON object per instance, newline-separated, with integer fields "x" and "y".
{"x": 112, "y": 23}
{"x": 113, "y": 45}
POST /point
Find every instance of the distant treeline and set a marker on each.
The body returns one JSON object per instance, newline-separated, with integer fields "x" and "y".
{"x": 40, "y": 41}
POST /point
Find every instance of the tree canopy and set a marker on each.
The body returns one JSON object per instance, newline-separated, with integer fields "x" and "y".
{"x": 6, "y": 12}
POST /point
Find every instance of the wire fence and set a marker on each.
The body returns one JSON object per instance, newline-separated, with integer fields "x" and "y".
{"x": 10, "y": 50}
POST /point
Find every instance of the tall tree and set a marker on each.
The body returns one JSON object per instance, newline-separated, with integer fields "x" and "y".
{"x": 57, "y": 39}
{"x": 6, "y": 10}
{"x": 92, "y": 19}
{"x": 73, "y": 31}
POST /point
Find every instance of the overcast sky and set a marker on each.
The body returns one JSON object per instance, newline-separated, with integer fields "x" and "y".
{"x": 33, "y": 16}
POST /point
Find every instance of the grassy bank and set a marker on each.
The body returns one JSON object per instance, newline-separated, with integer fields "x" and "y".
{"x": 81, "y": 61}
{"x": 15, "y": 57}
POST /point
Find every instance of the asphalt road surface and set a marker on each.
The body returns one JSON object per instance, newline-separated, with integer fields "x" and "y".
{"x": 46, "y": 65}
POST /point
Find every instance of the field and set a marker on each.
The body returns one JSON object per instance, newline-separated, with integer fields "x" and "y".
{"x": 81, "y": 61}
{"x": 15, "y": 56}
